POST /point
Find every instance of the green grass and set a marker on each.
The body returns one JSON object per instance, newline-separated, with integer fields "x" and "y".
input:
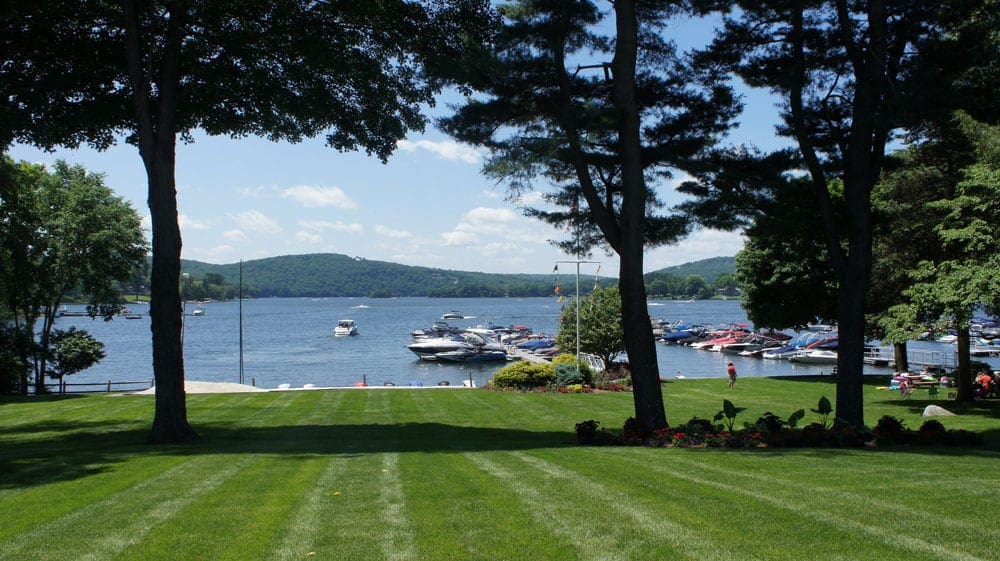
{"x": 470, "y": 474}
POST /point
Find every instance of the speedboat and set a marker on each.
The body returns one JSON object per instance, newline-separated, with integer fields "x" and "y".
{"x": 453, "y": 314}
{"x": 438, "y": 330}
{"x": 427, "y": 349}
{"x": 472, "y": 355}
{"x": 345, "y": 327}
{"x": 815, "y": 356}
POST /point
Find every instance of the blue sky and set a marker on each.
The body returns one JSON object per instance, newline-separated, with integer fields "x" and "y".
{"x": 429, "y": 205}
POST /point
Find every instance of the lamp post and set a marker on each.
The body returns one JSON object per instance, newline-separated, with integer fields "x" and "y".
{"x": 578, "y": 262}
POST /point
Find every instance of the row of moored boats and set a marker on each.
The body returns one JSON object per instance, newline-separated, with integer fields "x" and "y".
{"x": 446, "y": 343}
{"x": 816, "y": 346}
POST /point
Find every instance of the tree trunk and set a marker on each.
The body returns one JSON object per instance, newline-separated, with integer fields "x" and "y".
{"x": 850, "y": 353}
{"x": 900, "y": 359}
{"x": 638, "y": 331}
{"x": 166, "y": 316}
{"x": 964, "y": 382}
{"x": 157, "y": 139}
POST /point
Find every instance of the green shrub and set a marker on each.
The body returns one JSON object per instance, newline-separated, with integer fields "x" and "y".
{"x": 890, "y": 430}
{"x": 567, "y": 375}
{"x": 585, "y": 376}
{"x": 524, "y": 375}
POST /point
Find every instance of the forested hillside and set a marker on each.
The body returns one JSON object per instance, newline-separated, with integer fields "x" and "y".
{"x": 328, "y": 274}
{"x": 708, "y": 269}
{"x": 340, "y": 275}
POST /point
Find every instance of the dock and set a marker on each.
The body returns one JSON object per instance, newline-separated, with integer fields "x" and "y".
{"x": 932, "y": 360}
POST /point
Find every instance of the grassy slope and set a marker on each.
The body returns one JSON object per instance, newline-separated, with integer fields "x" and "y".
{"x": 471, "y": 474}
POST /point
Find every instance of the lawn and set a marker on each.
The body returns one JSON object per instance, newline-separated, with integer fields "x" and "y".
{"x": 441, "y": 474}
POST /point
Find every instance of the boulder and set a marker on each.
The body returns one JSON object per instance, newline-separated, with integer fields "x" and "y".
{"x": 935, "y": 411}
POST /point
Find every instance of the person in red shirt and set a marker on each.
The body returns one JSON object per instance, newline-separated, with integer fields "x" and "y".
{"x": 731, "y": 370}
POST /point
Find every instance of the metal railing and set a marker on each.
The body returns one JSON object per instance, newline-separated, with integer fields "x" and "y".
{"x": 63, "y": 387}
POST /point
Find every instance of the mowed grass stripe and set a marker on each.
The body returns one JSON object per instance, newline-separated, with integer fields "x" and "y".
{"x": 846, "y": 519}
{"x": 396, "y": 537}
{"x": 245, "y": 516}
{"x": 955, "y": 527}
{"x": 597, "y": 521}
{"x": 161, "y": 509}
{"x": 305, "y": 524}
{"x": 236, "y": 520}
{"x": 454, "y": 506}
{"x": 86, "y": 521}
{"x": 40, "y": 504}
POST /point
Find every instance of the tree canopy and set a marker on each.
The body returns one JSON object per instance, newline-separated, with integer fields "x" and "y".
{"x": 60, "y": 232}
{"x": 844, "y": 72}
{"x": 602, "y": 121}
{"x": 600, "y": 316}
{"x": 155, "y": 71}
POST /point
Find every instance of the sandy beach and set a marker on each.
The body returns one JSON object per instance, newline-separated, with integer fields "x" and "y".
{"x": 191, "y": 386}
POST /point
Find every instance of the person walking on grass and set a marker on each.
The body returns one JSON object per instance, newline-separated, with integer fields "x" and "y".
{"x": 731, "y": 370}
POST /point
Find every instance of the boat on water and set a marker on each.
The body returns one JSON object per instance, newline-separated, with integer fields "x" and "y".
{"x": 796, "y": 344}
{"x": 428, "y": 348}
{"x": 452, "y": 314}
{"x": 345, "y": 327}
{"x": 361, "y": 307}
{"x": 814, "y": 356}
{"x": 438, "y": 330}
{"x": 472, "y": 355}
{"x": 198, "y": 312}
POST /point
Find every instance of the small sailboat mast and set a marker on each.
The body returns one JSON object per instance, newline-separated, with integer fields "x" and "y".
{"x": 240, "y": 296}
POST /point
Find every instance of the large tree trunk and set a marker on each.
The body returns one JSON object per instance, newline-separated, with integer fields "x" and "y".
{"x": 170, "y": 421}
{"x": 964, "y": 382}
{"x": 638, "y": 331}
{"x": 157, "y": 140}
{"x": 850, "y": 350}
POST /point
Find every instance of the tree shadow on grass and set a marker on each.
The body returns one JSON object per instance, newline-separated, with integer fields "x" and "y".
{"x": 77, "y": 452}
{"x": 989, "y": 409}
{"x": 866, "y": 380}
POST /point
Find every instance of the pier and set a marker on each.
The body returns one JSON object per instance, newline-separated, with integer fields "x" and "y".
{"x": 932, "y": 360}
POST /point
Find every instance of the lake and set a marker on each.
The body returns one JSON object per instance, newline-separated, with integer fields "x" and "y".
{"x": 290, "y": 341}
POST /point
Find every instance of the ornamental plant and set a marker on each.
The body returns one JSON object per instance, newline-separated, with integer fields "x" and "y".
{"x": 728, "y": 413}
{"x": 824, "y": 409}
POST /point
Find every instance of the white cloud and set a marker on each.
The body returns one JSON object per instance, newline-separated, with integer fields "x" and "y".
{"x": 489, "y": 221}
{"x": 702, "y": 244}
{"x": 327, "y": 226}
{"x": 387, "y": 232}
{"x": 216, "y": 254}
{"x": 447, "y": 149}
{"x": 234, "y": 235}
{"x": 314, "y": 196}
{"x": 255, "y": 221}
{"x": 494, "y": 223}
{"x": 255, "y": 192}
{"x": 458, "y": 237}
{"x": 188, "y": 223}
{"x": 308, "y": 237}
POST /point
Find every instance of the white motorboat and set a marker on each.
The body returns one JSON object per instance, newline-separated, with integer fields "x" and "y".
{"x": 345, "y": 327}
{"x": 815, "y": 356}
{"x": 427, "y": 349}
{"x": 472, "y": 355}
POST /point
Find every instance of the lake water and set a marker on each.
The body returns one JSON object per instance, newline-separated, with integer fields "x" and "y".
{"x": 290, "y": 341}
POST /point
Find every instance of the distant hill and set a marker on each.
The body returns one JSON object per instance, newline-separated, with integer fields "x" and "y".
{"x": 332, "y": 274}
{"x": 329, "y": 274}
{"x": 708, "y": 269}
